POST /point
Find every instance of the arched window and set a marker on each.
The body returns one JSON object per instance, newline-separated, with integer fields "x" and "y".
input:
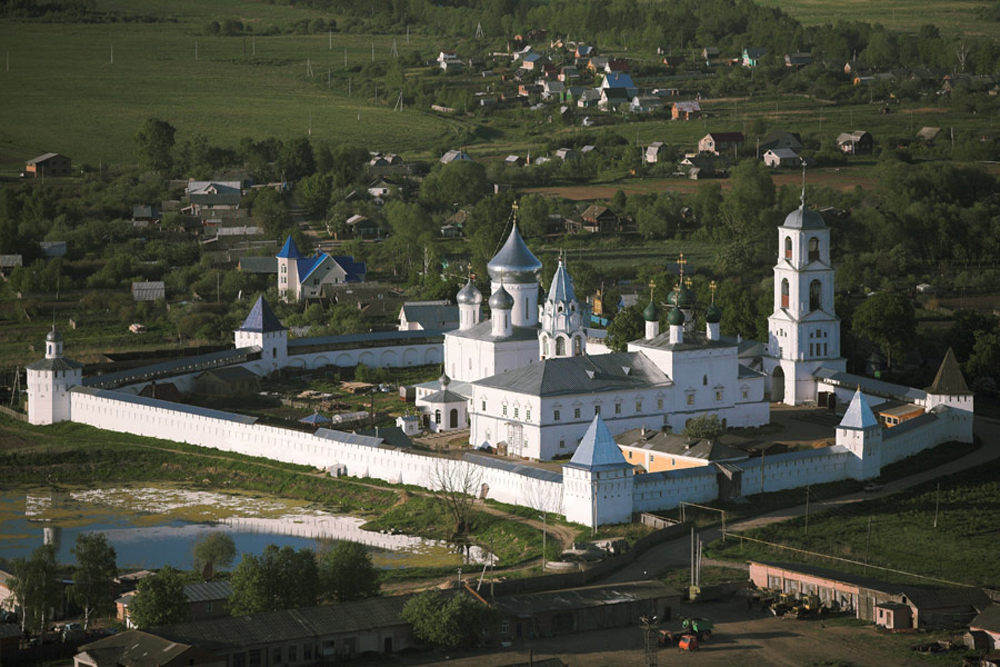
{"x": 815, "y": 291}
{"x": 788, "y": 247}
{"x": 784, "y": 293}
{"x": 577, "y": 347}
{"x": 560, "y": 347}
{"x": 813, "y": 249}
{"x": 437, "y": 416}
{"x": 704, "y": 380}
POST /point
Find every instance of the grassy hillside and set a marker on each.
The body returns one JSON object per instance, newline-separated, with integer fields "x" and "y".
{"x": 950, "y": 15}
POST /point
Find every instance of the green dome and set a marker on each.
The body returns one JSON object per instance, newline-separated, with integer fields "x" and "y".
{"x": 650, "y": 314}
{"x": 676, "y": 317}
{"x": 684, "y": 298}
{"x": 713, "y": 314}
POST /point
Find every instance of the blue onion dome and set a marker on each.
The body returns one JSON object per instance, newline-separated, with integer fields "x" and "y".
{"x": 650, "y": 314}
{"x": 676, "y": 317}
{"x": 469, "y": 295}
{"x": 501, "y": 300}
{"x": 514, "y": 264}
{"x": 713, "y": 314}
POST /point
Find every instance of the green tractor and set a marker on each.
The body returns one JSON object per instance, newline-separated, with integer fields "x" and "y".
{"x": 699, "y": 627}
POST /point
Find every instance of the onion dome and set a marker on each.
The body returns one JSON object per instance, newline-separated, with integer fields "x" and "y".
{"x": 514, "y": 263}
{"x": 444, "y": 380}
{"x": 650, "y": 314}
{"x": 501, "y": 300}
{"x": 684, "y": 298}
{"x": 804, "y": 218}
{"x": 54, "y": 336}
{"x": 713, "y": 314}
{"x": 469, "y": 295}
{"x": 676, "y": 317}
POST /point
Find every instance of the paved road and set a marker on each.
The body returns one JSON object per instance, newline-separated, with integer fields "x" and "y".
{"x": 677, "y": 552}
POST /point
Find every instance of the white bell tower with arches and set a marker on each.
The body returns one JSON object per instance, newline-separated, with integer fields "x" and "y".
{"x": 803, "y": 329}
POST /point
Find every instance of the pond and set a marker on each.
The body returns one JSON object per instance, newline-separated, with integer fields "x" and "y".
{"x": 150, "y": 527}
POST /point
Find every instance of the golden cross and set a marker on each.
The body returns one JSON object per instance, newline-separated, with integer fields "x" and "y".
{"x": 513, "y": 206}
{"x": 713, "y": 286}
{"x": 688, "y": 282}
{"x": 651, "y": 286}
{"x": 680, "y": 264}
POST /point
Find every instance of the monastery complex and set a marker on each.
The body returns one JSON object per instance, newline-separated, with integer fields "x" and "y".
{"x": 531, "y": 385}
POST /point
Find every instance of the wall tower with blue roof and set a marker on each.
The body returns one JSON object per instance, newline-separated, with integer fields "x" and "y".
{"x": 263, "y": 329}
{"x": 861, "y": 433}
{"x": 598, "y": 481}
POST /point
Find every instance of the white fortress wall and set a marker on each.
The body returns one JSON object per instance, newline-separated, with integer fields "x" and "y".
{"x": 924, "y": 432}
{"x": 665, "y": 490}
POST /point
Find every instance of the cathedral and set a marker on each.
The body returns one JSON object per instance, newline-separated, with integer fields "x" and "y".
{"x": 533, "y": 389}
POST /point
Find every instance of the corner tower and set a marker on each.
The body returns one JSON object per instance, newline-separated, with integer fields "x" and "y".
{"x": 263, "y": 329}
{"x": 49, "y": 382}
{"x": 803, "y": 330}
{"x": 598, "y": 481}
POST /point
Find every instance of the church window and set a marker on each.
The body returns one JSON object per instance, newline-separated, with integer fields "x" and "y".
{"x": 788, "y": 247}
{"x": 559, "y": 309}
{"x": 810, "y": 349}
{"x": 718, "y": 394}
{"x": 659, "y": 404}
{"x": 813, "y": 249}
{"x": 690, "y": 398}
{"x": 597, "y": 410}
{"x": 704, "y": 380}
{"x": 784, "y": 292}
{"x": 577, "y": 348}
{"x": 618, "y": 408}
{"x": 562, "y": 443}
{"x": 746, "y": 393}
{"x": 527, "y": 414}
{"x": 504, "y": 409}
{"x": 555, "y": 415}
{"x": 516, "y": 411}
{"x": 484, "y": 405}
{"x": 274, "y": 351}
{"x": 638, "y": 406}
{"x": 560, "y": 347}
{"x": 824, "y": 349}
{"x": 576, "y": 413}
{"x": 815, "y": 302}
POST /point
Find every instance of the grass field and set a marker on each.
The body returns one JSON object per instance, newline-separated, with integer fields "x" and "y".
{"x": 962, "y": 548}
{"x": 950, "y": 16}
{"x": 67, "y": 96}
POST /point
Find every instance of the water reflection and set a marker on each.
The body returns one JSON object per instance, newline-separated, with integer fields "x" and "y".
{"x": 145, "y": 527}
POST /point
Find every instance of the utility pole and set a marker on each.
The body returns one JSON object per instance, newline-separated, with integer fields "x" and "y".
{"x": 762, "y": 454}
{"x": 112, "y": 54}
{"x": 330, "y": 37}
{"x": 807, "y": 509}
{"x": 253, "y": 46}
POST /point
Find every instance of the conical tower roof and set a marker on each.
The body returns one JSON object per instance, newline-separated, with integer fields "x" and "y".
{"x": 289, "y": 250}
{"x": 949, "y": 380}
{"x": 562, "y": 285}
{"x": 859, "y": 415}
{"x": 598, "y": 450}
{"x": 262, "y": 319}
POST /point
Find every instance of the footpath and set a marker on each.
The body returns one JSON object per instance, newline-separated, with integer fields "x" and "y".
{"x": 669, "y": 555}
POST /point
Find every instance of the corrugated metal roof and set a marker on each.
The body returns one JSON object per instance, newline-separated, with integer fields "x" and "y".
{"x": 348, "y": 438}
{"x": 582, "y": 598}
{"x": 431, "y": 317}
{"x": 265, "y": 265}
{"x": 909, "y": 425}
{"x": 514, "y": 467}
{"x": 208, "y": 591}
{"x": 581, "y": 375}
{"x": 374, "y": 336}
{"x": 870, "y": 385}
{"x": 166, "y": 405}
{"x": 172, "y": 367}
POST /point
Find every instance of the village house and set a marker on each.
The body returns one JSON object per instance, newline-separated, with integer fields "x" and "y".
{"x": 987, "y": 625}
{"x": 857, "y": 142}
{"x": 569, "y": 73}
{"x": 620, "y": 81}
{"x": 685, "y": 111}
{"x": 780, "y": 139}
{"x": 615, "y": 66}
{"x": 534, "y": 62}
{"x": 382, "y": 188}
{"x": 653, "y": 152}
{"x": 449, "y": 61}
{"x": 718, "y": 143}
{"x": 144, "y": 215}
{"x": 567, "y": 154}
{"x": 752, "y": 56}
{"x": 656, "y": 451}
{"x": 48, "y": 164}
{"x": 10, "y": 262}
{"x": 148, "y": 291}
{"x": 227, "y": 383}
{"x": 646, "y": 104}
{"x": 674, "y": 61}
{"x": 301, "y": 277}
{"x": 600, "y": 219}
{"x": 591, "y": 97}
{"x": 710, "y": 53}
{"x": 798, "y": 59}
{"x": 583, "y": 51}
{"x": 362, "y": 227}
{"x": 428, "y": 316}
{"x": 553, "y": 89}
{"x": 613, "y": 98}
{"x": 135, "y": 648}
{"x": 855, "y": 67}
{"x": 454, "y": 155}
{"x": 782, "y": 157}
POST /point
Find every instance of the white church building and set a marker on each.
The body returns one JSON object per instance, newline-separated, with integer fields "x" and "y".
{"x": 526, "y": 385}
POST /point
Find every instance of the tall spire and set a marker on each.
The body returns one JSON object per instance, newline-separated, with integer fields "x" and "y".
{"x": 803, "y": 185}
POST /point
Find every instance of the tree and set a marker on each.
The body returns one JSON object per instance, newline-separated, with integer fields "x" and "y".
{"x": 277, "y": 579}
{"x": 313, "y": 193}
{"x": 94, "y": 576}
{"x": 159, "y": 600}
{"x": 459, "y": 483}
{"x": 153, "y": 142}
{"x": 627, "y": 326}
{"x": 270, "y": 211}
{"x": 984, "y": 360}
{"x": 706, "y": 427}
{"x": 296, "y": 160}
{"x": 448, "y": 619}
{"x": 346, "y": 573}
{"x": 461, "y": 182}
{"x": 36, "y": 587}
{"x": 887, "y": 320}
{"x": 216, "y": 549}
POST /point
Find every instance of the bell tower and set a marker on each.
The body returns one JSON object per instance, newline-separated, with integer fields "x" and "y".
{"x": 803, "y": 329}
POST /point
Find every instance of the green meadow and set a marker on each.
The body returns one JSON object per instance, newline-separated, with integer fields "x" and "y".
{"x": 61, "y": 92}
{"x": 948, "y": 15}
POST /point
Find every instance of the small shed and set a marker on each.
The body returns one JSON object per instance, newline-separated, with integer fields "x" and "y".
{"x": 893, "y": 616}
{"x": 148, "y": 291}
{"x": 48, "y": 164}
{"x": 227, "y": 382}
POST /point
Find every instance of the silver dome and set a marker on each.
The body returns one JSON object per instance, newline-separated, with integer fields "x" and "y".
{"x": 53, "y": 336}
{"x": 804, "y": 218}
{"x": 501, "y": 300}
{"x": 514, "y": 263}
{"x": 469, "y": 295}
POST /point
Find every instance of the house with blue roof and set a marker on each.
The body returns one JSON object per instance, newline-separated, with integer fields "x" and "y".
{"x": 301, "y": 277}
